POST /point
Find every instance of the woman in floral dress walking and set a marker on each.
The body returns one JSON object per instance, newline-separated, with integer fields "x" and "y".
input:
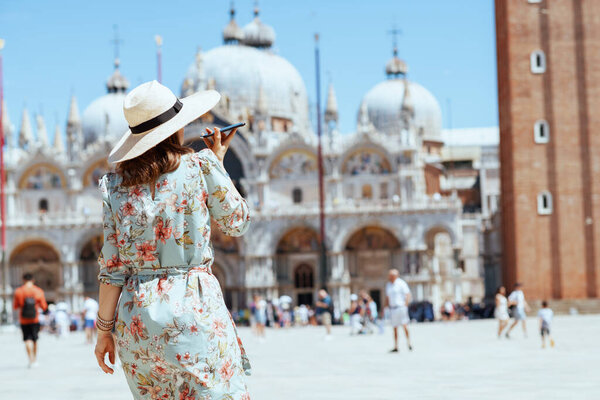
{"x": 172, "y": 331}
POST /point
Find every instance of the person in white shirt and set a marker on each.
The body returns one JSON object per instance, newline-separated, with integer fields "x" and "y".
{"x": 90, "y": 310}
{"x": 546, "y": 314}
{"x": 517, "y": 299}
{"x": 397, "y": 300}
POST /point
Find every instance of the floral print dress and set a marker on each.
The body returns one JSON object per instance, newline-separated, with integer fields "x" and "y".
{"x": 175, "y": 337}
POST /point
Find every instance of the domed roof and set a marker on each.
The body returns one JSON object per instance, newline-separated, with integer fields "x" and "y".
{"x": 104, "y": 116}
{"x": 232, "y": 33}
{"x": 263, "y": 74}
{"x": 258, "y": 34}
{"x": 395, "y": 66}
{"x": 384, "y": 103}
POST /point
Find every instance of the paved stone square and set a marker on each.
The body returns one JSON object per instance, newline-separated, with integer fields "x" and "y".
{"x": 454, "y": 360}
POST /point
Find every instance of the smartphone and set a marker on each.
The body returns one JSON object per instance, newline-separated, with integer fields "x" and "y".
{"x": 226, "y": 129}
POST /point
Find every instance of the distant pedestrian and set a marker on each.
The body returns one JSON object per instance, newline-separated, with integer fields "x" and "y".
{"x": 355, "y": 315}
{"x": 517, "y": 299}
{"x": 447, "y": 310}
{"x": 546, "y": 315}
{"x": 397, "y": 299}
{"x": 501, "y": 310}
{"x": 28, "y": 299}
{"x": 260, "y": 315}
{"x": 63, "y": 319}
{"x": 90, "y": 309}
{"x": 323, "y": 311}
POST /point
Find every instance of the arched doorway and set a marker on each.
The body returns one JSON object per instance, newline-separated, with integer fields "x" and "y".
{"x": 371, "y": 252}
{"x": 41, "y": 260}
{"x": 297, "y": 254}
{"x": 88, "y": 265}
{"x": 304, "y": 283}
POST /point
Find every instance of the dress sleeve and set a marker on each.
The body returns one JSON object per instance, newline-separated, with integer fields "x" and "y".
{"x": 112, "y": 270}
{"x": 229, "y": 210}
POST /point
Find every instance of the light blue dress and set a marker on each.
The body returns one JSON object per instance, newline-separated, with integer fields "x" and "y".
{"x": 174, "y": 335}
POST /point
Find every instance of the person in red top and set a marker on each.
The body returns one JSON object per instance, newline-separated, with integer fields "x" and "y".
{"x": 28, "y": 300}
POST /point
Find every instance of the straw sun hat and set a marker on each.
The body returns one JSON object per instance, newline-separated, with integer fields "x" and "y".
{"x": 154, "y": 113}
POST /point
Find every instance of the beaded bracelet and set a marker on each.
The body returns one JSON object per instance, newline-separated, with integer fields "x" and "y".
{"x": 104, "y": 325}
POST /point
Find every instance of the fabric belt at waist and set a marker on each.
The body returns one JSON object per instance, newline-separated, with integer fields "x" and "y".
{"x": 173, "y": 270}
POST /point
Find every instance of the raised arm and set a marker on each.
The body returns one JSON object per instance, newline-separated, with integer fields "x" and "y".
{"x": 226, "y": 206}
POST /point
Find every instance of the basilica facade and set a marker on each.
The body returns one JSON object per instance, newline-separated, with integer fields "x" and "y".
{"x": 385, "y": 206}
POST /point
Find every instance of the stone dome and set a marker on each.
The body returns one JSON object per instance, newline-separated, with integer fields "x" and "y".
{"x": 104, "y": 118}
{"x": 258, "y": 34}
{"x": 244, "y": 75}
{"x": 384, "y": 103}
{"x": 232, "y": 33}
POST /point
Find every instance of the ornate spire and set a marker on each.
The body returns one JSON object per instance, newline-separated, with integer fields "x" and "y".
{"x": 25, "y": 134}
{"x": 117, "y": 83}
{"x": 331, "y": 110}
{"x": 261, "y": 102}
{"x": 59, "y": 147}
{"x": 395, "y": 67}
{"x": 42, "y": 133}
{"x": 7, "y": 127}
{"x": 232, "y": 33}
{"x": 408, "y": 105}
{"x": 364, "y": 123}
{"x": 73, "y": 118}
{"x": 74, "y": 132}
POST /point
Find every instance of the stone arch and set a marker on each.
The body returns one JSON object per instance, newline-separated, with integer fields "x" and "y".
{"x": 42, "y": 175}
{"x": 43, "y": 260}
{"x": 366, "y": 159}
{"x": 94, "y": 172}
{"x": 370, "y": 252}
{"x": 293, "y": 162}
{"x": 88, "y": 264}
{"x": 373, "y": 238}
{"x": 298, "y": 239}
{"x": 341, "y": 240}
{"x": 431, "y": 231}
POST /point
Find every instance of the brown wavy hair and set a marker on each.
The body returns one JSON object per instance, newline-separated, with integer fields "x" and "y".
{"x": 147, "y": 167}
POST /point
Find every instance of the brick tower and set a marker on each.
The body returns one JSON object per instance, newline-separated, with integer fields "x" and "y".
{"x": 549, "y": 104}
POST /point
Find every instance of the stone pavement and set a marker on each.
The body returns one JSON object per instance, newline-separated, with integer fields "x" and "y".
{"x": 455, "y": 360}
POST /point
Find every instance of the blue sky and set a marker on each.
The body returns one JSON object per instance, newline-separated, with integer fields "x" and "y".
{"x": 58, "y": 48}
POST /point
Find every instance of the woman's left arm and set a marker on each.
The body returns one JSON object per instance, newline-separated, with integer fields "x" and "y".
{"x": 112, "y": 278}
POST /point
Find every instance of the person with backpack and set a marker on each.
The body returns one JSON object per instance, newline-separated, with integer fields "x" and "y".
{"x": 28, "y": 299}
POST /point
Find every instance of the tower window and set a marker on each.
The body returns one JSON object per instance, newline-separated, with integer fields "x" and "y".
{"x": 538, "y": 62}
{"x": 297, "y": 195}
{"x": 43, "y": 205}
{"x": 544, "y": 203}
{"x": 541, "y": 131}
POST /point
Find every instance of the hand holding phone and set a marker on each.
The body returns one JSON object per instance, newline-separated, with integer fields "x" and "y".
{"x": 226, "y": 129}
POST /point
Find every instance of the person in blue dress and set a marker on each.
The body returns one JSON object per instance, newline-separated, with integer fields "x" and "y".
{"x": 172, "y": 332}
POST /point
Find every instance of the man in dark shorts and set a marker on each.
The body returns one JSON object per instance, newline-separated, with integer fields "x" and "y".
{"x": 28, "y": 300}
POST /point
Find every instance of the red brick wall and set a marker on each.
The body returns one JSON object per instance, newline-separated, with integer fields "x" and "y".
{"x": 553, "y": 255}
